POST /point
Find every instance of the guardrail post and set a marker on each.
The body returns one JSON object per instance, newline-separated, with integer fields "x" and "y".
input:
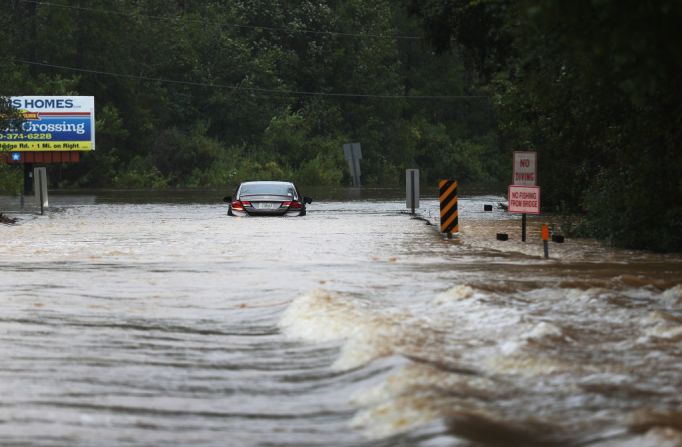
{"x": 412, "y": 188}
{"x": 545, "y": 239}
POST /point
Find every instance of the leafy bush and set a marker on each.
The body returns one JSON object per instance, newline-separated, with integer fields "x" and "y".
{"x": 249, "y": 169}
{"x": 11, "y": 179}
{"x": 141, "y": 173}
{"x": 177, "y": 155}
{"x": 321, "y": 170}
{"x": 630, "y": 212}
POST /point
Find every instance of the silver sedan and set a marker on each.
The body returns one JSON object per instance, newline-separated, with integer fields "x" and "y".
{"x": 267, "y": 199}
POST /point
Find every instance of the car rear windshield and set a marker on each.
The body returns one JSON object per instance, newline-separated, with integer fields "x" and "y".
{"x": 273, "y": 189}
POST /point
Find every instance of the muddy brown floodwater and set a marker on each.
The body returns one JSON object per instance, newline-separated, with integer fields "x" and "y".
{"x": 168, "y": 322}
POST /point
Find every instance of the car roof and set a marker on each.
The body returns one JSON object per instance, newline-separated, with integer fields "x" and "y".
{"x": 266, "y": 182}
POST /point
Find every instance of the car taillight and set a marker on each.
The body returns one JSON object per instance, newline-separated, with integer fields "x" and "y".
{"x": 292, "y": 205}
{"x": 240, "y": 204}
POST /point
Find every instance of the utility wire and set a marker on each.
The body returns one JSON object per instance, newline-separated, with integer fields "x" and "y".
{"x": 233, "y": 25}
{"x": 240, "y": 88}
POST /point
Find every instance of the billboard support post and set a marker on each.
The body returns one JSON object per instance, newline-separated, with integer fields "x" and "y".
{"x": 28, "y": 178}
{"x": 40, "y": 182}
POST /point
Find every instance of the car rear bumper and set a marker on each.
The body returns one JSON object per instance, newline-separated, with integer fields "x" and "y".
{"x": 271, "y": 213}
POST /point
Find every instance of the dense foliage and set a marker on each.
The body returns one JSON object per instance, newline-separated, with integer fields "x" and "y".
{"x": 594, "y": 87}
{"x": 207, "y": 93}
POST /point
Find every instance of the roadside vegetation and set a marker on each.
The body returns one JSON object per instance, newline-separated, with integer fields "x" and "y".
{"x": 593, "y": 87}
{"x": 209, "y": 93}
{"x": 205, "y": 94}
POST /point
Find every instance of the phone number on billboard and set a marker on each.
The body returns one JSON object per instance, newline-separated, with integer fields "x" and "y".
{"x": 26, "y": 136}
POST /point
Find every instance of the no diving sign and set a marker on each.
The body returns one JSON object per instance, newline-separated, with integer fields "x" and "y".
{"x": 525, "y": 168}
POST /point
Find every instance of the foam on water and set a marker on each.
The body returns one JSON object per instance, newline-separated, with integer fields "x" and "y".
{"x": 322, "y": 316}
{"x": 673, "y": 296}
{"x": 543, "y": 330}
{"x": 369, "y": 331}
{"x": 656, "y": 437}
{"x": 418, "y": 394}
{"x": 469, "y": 352}
{"x": 455, "y": 294}
{"x": 662, "y": 325}
{"x": 395, "y": 416}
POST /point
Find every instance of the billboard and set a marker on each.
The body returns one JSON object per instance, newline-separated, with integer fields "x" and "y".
{"x": 51, "y": 123}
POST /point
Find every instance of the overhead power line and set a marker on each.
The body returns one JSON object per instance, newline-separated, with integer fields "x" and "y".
{"x": 232, "y": 25}
{"x": 258, "y": 90}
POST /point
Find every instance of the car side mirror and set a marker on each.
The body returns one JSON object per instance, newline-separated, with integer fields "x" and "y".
{"x": 307, "y": 200}
{"x": 227, "y": 199}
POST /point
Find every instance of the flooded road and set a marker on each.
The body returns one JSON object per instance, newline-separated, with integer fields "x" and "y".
{"x": 127, "y": 323}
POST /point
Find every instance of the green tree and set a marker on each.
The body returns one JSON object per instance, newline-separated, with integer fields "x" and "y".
{"x": 10, "y": 177}
{"x": 199, "y": 93}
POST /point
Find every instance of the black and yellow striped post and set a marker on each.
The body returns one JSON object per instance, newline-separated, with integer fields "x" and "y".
{"x": 449, "y": 219}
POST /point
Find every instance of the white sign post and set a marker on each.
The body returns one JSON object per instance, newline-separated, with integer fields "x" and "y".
{"x": 353, "y": 154}
{"x": 40, "y": 188}
{"x": 524, "y": 196}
